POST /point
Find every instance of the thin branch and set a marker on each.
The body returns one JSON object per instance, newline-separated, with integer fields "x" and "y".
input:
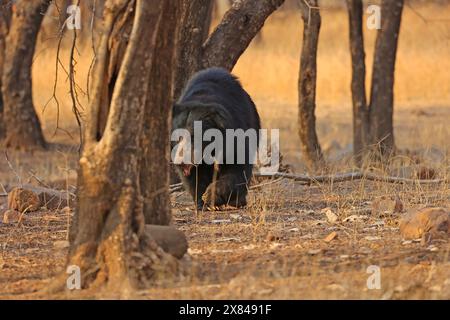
{"x": 350, "y": 176}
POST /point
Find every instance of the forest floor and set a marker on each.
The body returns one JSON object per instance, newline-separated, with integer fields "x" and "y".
{"x": 273, "y": 249}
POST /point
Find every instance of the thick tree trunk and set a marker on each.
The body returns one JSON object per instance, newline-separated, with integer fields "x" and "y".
{"x": 118, "y": 38}
{"x": 23, "y": 130}
{"x": 108, "y": 239}
{"x": 155, "y": 178}
{"x": 310, "y": 146}
{"x": 5, "y": 19}
{"x": 195, "y": 23}
{"x": 225, "y": 44}
{"x": 382, "y": 93}
{"x": 235, "y": 32}
{"x": 358, "y": 85}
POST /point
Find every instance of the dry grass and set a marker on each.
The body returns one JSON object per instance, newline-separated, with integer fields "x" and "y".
{"x": 275, "y": 248}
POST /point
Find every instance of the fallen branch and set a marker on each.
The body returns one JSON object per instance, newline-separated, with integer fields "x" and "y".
{"x": 350, "y": 176}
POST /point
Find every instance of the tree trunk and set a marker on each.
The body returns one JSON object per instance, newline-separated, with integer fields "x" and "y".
{"x": 23, "y": 130}
{"x": 240, "y": 24}
{"x": 5, "y": 19}
{"x": 194, "y": 25}
{"x": 155, "y": 177}
{"x": 382, "y": 91}
{"x": 235, "y": 32}
{"x": 108, "y": 238}
{"x": 358, "y": 85}
{"x": 310, "y": 146}
{"x": 117, "y": 36}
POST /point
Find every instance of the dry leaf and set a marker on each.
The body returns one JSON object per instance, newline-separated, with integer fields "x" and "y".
{"x": 330, "y": 237}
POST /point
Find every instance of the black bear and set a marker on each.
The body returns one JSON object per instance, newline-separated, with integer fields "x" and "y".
{"x": 216, "y": 98}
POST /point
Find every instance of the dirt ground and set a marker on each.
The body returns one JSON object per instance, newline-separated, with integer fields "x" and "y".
{"x": 274, "y": 249}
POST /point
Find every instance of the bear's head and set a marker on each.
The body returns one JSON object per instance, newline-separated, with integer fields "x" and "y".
{"x": 186, "y": 117}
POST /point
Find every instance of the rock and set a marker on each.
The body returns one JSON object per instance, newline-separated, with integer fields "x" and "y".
{"x": 383, "y": 205}
{"x": 62, "y": 244}
{"x": 12, "y": 216}
{"x": 171, "y": 240}
{"x": 313, "y": 252}
{"x": 20, "y": 199}
{"x": 426, "y": 222}
{"x": 331, "y": 216}
{"x": 330, "y": 237}
{"x": 49, "y": 198}
{"x": 220, "y": 221}
{"x": 372, "y": 238}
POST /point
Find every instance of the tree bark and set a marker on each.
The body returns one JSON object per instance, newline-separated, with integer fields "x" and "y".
{"x": 382, "y": 91}
{"x": 155, "y": 177}
{"x": 310, "y": 146}
{"x": 23, "y": 130}
{"x": 240, "y": 24}
{"x": 118, "y": 37}
{"x": 5, "y": 19}
{"x": 235, "y": 32}
{"x": 358, "y": 84}
{"x": 195, "y": 23}
{"x": 108, "y": 238}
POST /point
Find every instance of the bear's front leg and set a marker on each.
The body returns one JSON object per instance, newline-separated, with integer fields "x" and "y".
{"x": 229, "y": 189}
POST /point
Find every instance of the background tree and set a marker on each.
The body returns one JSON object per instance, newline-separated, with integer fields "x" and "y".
{"x": 373, "y": 123}
{"x": 240, "y": 24}
{"x": 108, "y": 238}
{"x": 5, "y": 19}
{"x": 310, "y": 146}
{"x": 23, "y": 130}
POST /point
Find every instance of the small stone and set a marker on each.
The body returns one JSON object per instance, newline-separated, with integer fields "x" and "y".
{"x": 331, "y": 216}
{"x": 386, "y": 205}
{"x": 294, "y": 230}
{"x": 372, "y": 238}
{"x": 23, "y": 200}
{"x": 61, "y": 244}
{"x": 235, "y": 216}
{"x": 330, "y": 237}
{"x": 219, "y": 221}
{"x": 313, "y": 252}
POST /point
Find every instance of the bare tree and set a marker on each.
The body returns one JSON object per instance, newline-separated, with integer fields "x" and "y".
{"x": 373, "y": 123}
{"x": 226, "y": 43}
{"x": 22, "y": 125}
{"x": 310, "y": 146}
{"x": 108, "y": 239}
{"x": 382, "y": 89}
{"x": 5, "y": 19}
{"x": 358, "y": 86}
